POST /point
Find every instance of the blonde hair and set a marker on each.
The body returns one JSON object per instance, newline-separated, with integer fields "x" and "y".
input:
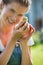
{"x": 23, "y": 2}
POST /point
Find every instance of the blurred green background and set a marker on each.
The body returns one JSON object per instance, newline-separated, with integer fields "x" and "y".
{"x": 37, "y": 49}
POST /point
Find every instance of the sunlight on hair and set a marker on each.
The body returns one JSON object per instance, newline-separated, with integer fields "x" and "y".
{"x": 0, "y": 1}
{"x": 30, "y": 2}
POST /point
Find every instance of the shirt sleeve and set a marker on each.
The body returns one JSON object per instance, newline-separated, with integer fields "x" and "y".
{"x": 30, "y": 42}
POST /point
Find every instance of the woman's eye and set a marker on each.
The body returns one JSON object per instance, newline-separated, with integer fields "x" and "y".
{"x": 20, "y": 14}
{"x": 12, "y": 10}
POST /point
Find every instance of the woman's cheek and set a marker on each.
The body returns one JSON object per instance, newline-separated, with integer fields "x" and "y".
{"x": 17, "y": 19}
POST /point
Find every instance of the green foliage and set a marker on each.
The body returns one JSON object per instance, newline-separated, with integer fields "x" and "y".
{"x": 38, "y": 37}
{"x": 41, "y": 36}
{"x": 37, "y": 54}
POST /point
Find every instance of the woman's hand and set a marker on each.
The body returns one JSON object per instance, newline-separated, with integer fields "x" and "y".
{"x": 25, "y": 29}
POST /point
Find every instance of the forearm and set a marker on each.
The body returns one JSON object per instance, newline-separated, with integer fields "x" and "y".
{"x": 26, "y": 60}
{"x": 5, "y": 56}
{"x": 29, "y": 55}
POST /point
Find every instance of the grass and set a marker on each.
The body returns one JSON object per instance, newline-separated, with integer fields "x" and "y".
{"x": 37, "y": 54}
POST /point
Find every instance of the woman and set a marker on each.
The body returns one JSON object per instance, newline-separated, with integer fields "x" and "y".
{"x": 10, "y": 32}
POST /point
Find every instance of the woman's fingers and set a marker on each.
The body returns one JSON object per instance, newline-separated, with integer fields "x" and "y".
{"x": 31, "y": 29}
{"x": 23, "y": 28}
{"x": 19, "y": 25}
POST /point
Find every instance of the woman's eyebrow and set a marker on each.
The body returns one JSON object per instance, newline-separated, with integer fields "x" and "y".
{"x": 20, "y": 14}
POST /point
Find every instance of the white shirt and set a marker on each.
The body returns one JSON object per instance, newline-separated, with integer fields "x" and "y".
{"x": 30, "y": 42}
{"x": 1, "y": 46}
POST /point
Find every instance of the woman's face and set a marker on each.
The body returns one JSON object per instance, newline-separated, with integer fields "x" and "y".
{"x": 14, "y": 11}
